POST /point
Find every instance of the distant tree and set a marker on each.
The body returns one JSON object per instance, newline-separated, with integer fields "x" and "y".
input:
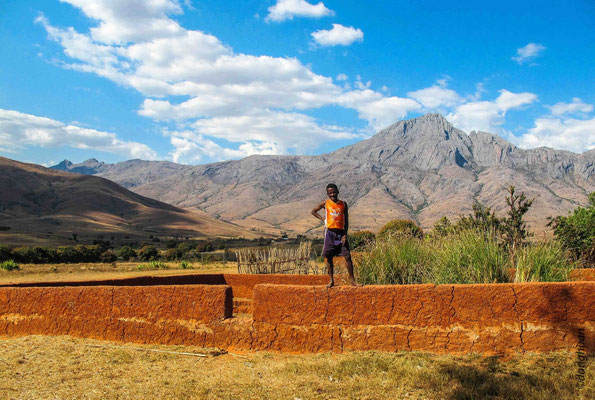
{"x": 576, "y": 231}
{"x": 148, "y": 253}
{"x": 126, "y": 253}
{"x": 483, "y": 219}
{"x": 442, "y": 227}
{"x": 514, "y": 227}
{"x": 5, "y": 253}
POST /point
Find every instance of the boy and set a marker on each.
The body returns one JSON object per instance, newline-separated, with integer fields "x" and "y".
{"x": 336, "y": 224}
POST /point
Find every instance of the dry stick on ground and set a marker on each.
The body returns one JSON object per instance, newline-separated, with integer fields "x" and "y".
{"x": 151, "y": 350}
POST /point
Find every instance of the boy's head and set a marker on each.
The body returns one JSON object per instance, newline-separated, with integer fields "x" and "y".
{"x": 332, "y": 191}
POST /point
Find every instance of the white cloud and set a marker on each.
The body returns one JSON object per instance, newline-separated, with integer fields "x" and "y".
{"x": 379, "y": 110}
{"x": 18, "y": 130}
{"x": 338, "y": 35}
{"x": 528, "y": 52}
{"x": 488, "y": 116}
{"x": 568, "y": 134}
{"x": 220, "y": 87}
{"x": 288, "y": 9}
{"x": 577, "y": 106}
{"x": 130, "y": 20}
{"x": 341, "y": 77}
{"x": 436, "y": 96}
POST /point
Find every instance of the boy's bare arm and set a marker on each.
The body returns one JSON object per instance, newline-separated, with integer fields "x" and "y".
{"x": 318, "y": 208}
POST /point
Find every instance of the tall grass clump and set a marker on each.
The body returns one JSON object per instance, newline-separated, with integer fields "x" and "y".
{"x": 395, "y": 259}
{"x": 545, "y": 261}
{"x": 469, "y": 256}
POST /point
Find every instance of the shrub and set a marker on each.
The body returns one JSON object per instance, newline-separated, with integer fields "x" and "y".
{"x": 148, "y": 253}
{"x": 543, "y": 262}
{"x": 152, "y": 265}
{"x": 395, "y": 260}
{"x": 469, "y": 256}
{"x": 185, "y": 264}
{"x": 35, "y": 255}
{"x": 361, "y": 239}
{"x": 5, "y": 253}
{"x": 576, "y": 232}
{"x": 108, "y": 256}
{"x": 9, "y": 265}
{"x": 514, "y": 227}
{"x": 400, "y": 227}
{"x": 126, "y": 253}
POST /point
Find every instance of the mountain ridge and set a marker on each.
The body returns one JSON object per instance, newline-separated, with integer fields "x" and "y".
{"x": 42, "y": 205}
{"x": 420, "y": 169}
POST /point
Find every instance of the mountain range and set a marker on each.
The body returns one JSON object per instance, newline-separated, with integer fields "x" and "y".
{"x": 44, "y": 206}
{"x": 419, "y": 169}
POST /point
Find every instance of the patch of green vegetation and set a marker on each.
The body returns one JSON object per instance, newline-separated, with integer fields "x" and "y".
{"x": 9, "y": 265}
{"x": 152, "y": 265}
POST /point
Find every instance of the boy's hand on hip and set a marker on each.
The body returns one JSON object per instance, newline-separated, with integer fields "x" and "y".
{"x": 344, "y": 239}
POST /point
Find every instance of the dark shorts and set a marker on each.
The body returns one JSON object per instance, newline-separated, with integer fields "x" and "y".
{"x": 332, "y": 244}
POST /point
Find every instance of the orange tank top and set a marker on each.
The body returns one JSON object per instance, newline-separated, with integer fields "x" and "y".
{"x": 335, "y": 214}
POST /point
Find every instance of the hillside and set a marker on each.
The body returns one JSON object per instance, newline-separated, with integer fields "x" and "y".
{"x": 42, "y": 205}
{"x": 420, "y": 169}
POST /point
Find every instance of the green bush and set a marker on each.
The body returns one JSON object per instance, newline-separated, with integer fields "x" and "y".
{"x": 361, "y": 239}
{"x": 576, "y": 232}
{"x": 5, "y": 253}
{"x": 148, "y": 253}
{"x": 9, "y": 265}
{"x": 126, "y": 253}
{"x": 35, "y": 255}
{"x": 152, "y": 265}
{"x": 400, "y": 227}
{"x": 185, "y": 264}
{"x": 108, "y": 256}
{"x": 543, "y": 262}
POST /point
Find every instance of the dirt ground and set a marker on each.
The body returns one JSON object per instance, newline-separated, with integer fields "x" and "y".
{"x": 38, "y": 367}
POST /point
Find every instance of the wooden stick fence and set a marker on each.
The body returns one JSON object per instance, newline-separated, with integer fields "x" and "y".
{"x": 277, "y": 260}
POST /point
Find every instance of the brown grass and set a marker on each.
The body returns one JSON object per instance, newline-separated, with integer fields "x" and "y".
{"x": 99, "y": 271}
{"x": 35, "y": 367}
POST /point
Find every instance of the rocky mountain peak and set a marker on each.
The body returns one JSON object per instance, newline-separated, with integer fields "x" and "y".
{"x": 63, "y": 166}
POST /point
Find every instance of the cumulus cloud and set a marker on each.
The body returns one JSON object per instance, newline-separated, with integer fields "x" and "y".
{"x": 338, "y": 35}
{"x": 193, "y": 79}
{"x": 18, "y": 130}
{"x": 575, "y": 107}
{"x": 436, "y": 96}
{"x": 288, "y": 9}
{"x": 488, "y": 116}
{"x": 528, "y": 52}
{"x": 568, "y": 134}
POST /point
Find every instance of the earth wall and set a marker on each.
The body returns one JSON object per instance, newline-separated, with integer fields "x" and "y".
{"x": 308, "y": 317}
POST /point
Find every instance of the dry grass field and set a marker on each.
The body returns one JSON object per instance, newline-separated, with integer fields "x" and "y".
{"x": 98, "y": 271}
{"x": 37, "y": 367}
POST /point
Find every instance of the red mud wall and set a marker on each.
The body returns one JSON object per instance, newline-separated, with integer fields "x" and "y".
{"x": 491, "y": 319}
{"x": 145, "y": 314}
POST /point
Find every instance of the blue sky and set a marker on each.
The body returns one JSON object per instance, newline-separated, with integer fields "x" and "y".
{"x": 202, "y": 81}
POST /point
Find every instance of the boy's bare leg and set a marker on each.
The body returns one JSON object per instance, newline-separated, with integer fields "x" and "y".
{"x": 350, "y": 272}
{"x": 330, "y": 270}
